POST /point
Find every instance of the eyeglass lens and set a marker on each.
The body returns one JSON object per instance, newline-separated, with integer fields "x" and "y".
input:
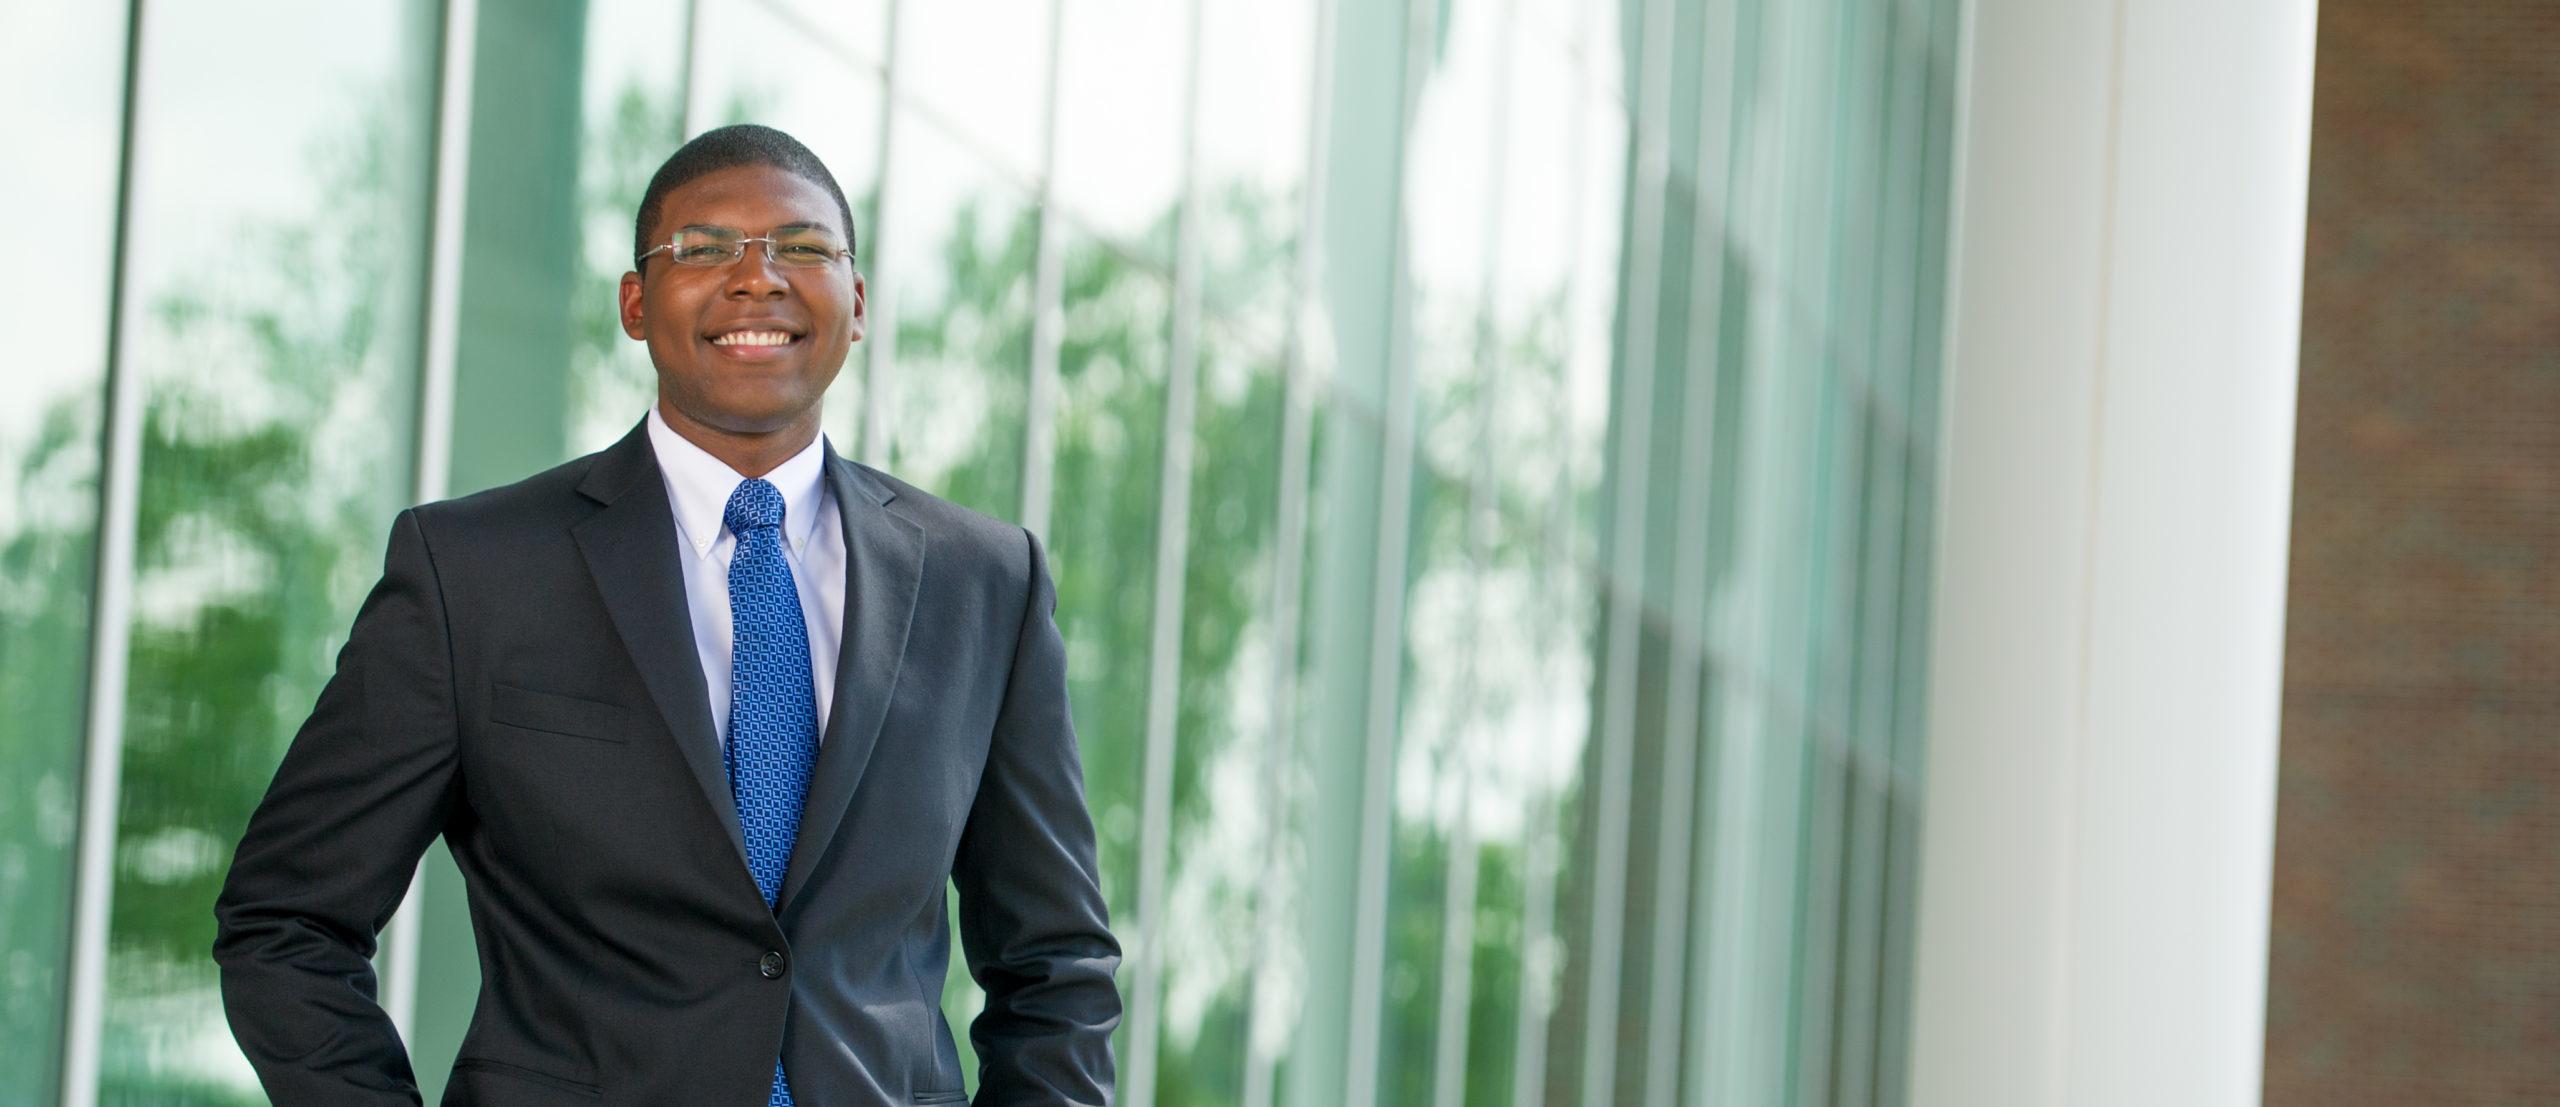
{"x": 799, "y": 247}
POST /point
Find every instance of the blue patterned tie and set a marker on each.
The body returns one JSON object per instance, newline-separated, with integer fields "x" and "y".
{"x": 773, "y": 708}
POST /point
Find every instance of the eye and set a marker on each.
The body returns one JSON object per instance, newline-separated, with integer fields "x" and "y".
{"x": 805, "y": 253}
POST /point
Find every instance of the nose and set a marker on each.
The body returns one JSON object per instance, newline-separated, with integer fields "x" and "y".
{"x": 754, "y": 275}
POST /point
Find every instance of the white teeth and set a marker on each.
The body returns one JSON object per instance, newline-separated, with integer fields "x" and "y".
{"x": 753, "y": 338}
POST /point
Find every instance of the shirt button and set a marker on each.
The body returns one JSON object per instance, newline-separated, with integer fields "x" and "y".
{"x": 772, "y": 964}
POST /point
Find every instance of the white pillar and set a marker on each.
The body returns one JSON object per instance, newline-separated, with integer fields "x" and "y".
{"x": 2109, "y": 612}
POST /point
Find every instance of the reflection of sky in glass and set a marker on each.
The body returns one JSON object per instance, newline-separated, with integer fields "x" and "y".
{"x": 1256, "y": 61}
{"x": 1447, "y": 159}
{"x": 631, "y": 44}
{"x": 754, "y": 66}
{"x": 1537, "y": 180}
{"x": 857, "y": 27}
{"x": 1599, "y": 42}
{"x": 1122, "y": 72}
{"x": 1256, "y": 65}
{"x": 1447, "y": 203}
{"x": 1602, "y": 158}
{"x": 982, "y": 68}
{"x": 62, "y": 100}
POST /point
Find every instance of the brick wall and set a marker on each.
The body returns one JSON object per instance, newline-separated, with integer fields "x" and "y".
{"x": 2416, "y": 939}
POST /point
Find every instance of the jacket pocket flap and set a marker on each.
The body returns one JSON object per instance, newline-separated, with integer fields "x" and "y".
{"x": 519, "y": 1072}
{"x": 558, "y": 714}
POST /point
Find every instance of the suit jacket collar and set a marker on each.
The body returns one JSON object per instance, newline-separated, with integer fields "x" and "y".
{"x": 629, "y": 545}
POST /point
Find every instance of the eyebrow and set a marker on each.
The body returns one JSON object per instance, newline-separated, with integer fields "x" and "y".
{"x": 776, "y": 230}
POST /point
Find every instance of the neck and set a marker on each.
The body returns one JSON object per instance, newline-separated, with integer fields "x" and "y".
{"x": 751, "y": 453}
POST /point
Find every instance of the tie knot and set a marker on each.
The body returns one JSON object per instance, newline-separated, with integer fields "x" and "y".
{"x": 756, "y": 503}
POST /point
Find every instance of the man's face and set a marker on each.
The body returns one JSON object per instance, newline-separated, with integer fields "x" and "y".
{"x": 711, "y": 329}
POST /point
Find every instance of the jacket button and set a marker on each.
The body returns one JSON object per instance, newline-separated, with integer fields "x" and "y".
{"x": 772, "y": 964}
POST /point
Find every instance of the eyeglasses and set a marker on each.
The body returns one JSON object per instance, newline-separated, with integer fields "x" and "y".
{"x": 796, "y": 247}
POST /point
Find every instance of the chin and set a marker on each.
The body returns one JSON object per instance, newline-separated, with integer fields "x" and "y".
{"x": 763, "y": 414}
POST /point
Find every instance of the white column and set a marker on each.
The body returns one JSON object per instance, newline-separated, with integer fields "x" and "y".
{"x": 2109, "y": 610}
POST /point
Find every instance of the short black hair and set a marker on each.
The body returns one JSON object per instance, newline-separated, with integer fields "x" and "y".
{"x": 730, "y": 147}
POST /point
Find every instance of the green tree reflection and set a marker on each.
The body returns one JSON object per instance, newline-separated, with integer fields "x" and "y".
{"x": 45, "y": 593}
{"x": 274, "y": 445}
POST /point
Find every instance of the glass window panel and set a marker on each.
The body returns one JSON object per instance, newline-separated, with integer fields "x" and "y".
{"x": 63, "y": 95}
{"x": 1602, "y": 130}
{"x": 1449, "y": 207}
{"x": 1528, "y": 705}
{"x": 1525, "y": 731}
{"x": 272, "y": 326}
{"x": 1537, "y": 222}
{"x": 980, "y": 68}
{"x": 955, "y": 280}
{"x": 1319, "y": 847}
{"x": 1599, "y": 40}
{"x": 1279, "y": 988}
{"x": 1225, "y": 800}
{"x": 1577, "y": 585}
{"x": 1559, "y": 22}
{"x": 1102, "y": 534}
{"x": 1434, "y": 784}
{"x": 1448, "y": 165}
{"x": 633, "y": 118}
{"x": 756, "y": 61}
{"x": 1256, "y": 67}
{"x": 857, "y": 27}
{"x": 1568, "y": 666}
{"x": 1123, "y": 76}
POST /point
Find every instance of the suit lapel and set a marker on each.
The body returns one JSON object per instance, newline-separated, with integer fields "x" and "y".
{"x": 884, "y": 564}
{"x": 630, "y": 547}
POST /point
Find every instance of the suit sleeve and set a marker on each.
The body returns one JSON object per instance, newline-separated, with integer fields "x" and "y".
{"x": 1032, "y": 920}
{"x": 365, "y": 786}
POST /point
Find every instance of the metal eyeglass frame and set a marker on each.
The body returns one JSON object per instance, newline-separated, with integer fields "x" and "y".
{"x": 738, "y": 253}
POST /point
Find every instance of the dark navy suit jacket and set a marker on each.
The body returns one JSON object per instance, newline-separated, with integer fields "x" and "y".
{"x": 523, "y": 681}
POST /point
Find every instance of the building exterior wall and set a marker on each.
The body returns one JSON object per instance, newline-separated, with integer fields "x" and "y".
{"x": 2417, "y": 877}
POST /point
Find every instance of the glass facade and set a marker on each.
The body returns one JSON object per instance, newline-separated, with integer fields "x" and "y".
{"x": 67, "y": 99}
{"x": 1483, "y": 445}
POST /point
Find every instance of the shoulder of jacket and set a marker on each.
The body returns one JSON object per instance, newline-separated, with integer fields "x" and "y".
{"x": 953, "y": 529}
{"x": 544, "y": 495}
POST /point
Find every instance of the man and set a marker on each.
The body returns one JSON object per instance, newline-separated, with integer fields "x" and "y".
{"x": 707, "y": 719}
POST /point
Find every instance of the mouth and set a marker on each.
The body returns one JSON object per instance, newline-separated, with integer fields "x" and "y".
{"x": 755, "y": 342}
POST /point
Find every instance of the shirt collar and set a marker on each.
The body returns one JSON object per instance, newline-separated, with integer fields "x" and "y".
{"x": 699, "y": 486}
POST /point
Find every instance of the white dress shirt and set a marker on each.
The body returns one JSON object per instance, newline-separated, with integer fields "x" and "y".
{"x": 698, "y": 489}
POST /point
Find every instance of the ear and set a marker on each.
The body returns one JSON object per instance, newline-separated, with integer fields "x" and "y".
{"x": 630, "y": 297}
{"x": 861, "y": 307}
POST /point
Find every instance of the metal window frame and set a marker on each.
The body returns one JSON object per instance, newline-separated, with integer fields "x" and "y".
{"x": 111, "y": 631}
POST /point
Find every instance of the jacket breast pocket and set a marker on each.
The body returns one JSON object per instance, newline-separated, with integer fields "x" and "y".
{"x": 553, "y": 713}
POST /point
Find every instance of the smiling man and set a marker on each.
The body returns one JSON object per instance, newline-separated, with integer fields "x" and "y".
{"x": 709, "y": 720}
